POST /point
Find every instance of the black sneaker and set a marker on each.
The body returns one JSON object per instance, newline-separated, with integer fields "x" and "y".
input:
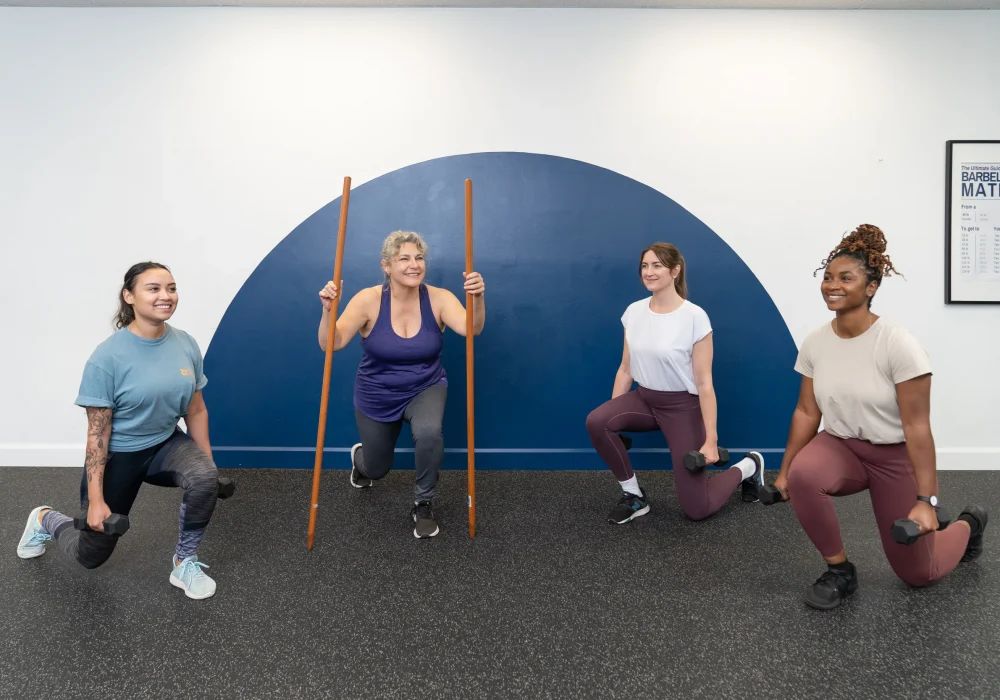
{"x": 423, "y": 517}
{"x": 976, "y": 516}
{"x": 749, "y": 487}
{"x": 832, "y": 587}
{"x": 629, "y": 507}
{"x": 358, "y": 480}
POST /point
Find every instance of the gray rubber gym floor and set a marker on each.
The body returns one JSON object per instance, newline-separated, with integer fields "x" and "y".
{"x": 548, "y": 601}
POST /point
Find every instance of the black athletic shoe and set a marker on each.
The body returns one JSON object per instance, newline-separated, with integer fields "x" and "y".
{"x": 976, "y": 516}
{"x": 839, "y": 581}
{"x": 358, "y": 480}
{"x": 423, "y": 518}
{"x": 749, "y": 487}
{"x": 629, "y": 507}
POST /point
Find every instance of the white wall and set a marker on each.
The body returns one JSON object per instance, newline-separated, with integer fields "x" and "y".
{"x": 200, "y": 137}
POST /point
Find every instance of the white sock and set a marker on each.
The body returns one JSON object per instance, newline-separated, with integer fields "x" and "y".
{"x": 746, "y": 466}
{"x": 631, "y": 486}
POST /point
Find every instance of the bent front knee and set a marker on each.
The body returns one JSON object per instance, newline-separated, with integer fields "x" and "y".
{"x": 804, "y": 477}
{"x": 427, "y": 434}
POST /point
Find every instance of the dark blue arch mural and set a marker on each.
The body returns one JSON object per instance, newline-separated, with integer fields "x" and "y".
{"x": 557, "y": 241}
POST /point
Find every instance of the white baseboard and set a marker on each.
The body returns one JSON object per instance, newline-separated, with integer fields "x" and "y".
{"x": 14, "y": 455}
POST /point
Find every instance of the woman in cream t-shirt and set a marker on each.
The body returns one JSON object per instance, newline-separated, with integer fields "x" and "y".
{"x": 869, "y": 381}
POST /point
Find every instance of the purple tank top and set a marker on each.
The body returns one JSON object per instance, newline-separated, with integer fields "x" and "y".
{"x": 393, "y": 369}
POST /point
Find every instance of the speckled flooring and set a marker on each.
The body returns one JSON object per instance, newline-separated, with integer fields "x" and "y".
{"x": 548, "y": 601}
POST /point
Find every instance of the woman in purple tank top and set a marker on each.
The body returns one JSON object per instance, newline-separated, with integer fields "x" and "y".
{"x": 401, "y": 378}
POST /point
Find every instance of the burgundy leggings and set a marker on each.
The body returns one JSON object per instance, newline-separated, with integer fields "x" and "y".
{"x": 832, "y": 466}
{"x": 678, "y": 415}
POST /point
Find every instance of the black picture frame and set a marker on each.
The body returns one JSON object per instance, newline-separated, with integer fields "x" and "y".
{"x": 948, "y": 221}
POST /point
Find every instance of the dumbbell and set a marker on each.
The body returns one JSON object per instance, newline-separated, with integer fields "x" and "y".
{"x": 769, "y": 495}
{"x": 226, "y": 487}
{"x": 114, "y": 524}
{"x": 907, "y": 531}
{"x": 695, "y": 461}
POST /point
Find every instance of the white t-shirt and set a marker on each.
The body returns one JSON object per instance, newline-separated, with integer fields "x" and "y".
{"x": 660, "y": 345}
{"x": 854, "y": 379}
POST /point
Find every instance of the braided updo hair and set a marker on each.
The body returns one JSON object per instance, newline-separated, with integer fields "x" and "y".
{"x": 866, "y": 244}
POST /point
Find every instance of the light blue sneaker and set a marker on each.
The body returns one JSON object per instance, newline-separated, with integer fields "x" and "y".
{"x": 189, "y": 577}
{"x": 33, "y": 540}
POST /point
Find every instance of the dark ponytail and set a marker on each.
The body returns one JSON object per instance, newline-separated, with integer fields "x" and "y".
{"x": 126, "y": 314}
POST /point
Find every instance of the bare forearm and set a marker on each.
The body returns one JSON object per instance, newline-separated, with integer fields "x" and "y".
{"x": 709, "y": 413}
{"x": 803, "y": 429}
{"x": 98, "y": 437}
{"x": 478, "y": 313}
{"x": 920, "y": 449}
{"x": 623, "y": 383}
{"x": 324, "y": 332}
{"x": 197, "y": 425}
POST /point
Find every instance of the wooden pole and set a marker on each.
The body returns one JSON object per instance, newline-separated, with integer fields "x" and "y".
{"x": 338, "y": 265}
{"x": 469, "y": 363}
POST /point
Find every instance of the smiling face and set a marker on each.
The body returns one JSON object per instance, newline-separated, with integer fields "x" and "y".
{"x": 407, "y": 268}
{"x": 655, "y": 274}
{"x": 845, "y": 285}
{"x": 153, "y": 298}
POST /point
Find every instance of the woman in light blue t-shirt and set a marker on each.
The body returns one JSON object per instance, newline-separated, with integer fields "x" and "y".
{"x": 136, "y": 386}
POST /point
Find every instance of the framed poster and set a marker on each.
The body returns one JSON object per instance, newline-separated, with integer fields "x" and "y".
{"x": 972, "y": 223}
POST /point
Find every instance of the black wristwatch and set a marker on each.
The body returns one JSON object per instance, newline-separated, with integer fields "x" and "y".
{"x": 929, "y": 499}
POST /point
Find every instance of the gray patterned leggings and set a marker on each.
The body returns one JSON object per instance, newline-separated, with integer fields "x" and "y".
{"x": 175, "y": 462}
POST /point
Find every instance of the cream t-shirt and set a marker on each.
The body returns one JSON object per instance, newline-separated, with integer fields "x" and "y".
{"x": 854, "y": 379}
{"x": 661, "y": 346}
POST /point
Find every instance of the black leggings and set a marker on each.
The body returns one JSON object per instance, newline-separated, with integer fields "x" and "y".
{"x": 175, "y": 462}
{"x": 424, "y": 413}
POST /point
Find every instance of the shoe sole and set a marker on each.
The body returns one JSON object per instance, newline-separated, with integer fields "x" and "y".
{"x": 831, "y": 606}
{"x": 26, "y": 553}
{"x": 354, "y": 451}
{"x": 180, "y": 584}
{"x": 757, "y": 482}
{"x": 425, "y": 537}
{"x": 642, "y": 511}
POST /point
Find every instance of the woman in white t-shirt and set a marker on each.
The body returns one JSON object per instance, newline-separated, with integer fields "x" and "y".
{"x": 668, "y": 353}
{"x": 869, "y": 381}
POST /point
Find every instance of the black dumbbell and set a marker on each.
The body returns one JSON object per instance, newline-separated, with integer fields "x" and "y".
{"x": 626, "y": 440}
{"x": 769, "y": 495}
{"x": 695, "y": 461}
{"x": 114, "y": 524}
{"x": 907, "y": 531}
{"x": 226, "y": 487}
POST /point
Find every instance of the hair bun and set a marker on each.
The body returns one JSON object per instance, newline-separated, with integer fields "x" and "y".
{"x": 866, "y": 237}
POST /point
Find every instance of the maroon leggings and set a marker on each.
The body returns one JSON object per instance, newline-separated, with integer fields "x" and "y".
{"x": 678, "y": 415}
{"x": 832, "y": 466}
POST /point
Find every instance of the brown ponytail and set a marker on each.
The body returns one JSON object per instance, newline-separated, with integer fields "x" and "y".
{"x": 668, "y": 254}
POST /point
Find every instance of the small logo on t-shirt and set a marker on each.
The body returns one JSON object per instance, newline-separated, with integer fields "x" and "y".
{"x": 187, "y": 372}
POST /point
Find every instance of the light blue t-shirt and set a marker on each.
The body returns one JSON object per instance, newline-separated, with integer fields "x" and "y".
{"x": 148, "y": 384}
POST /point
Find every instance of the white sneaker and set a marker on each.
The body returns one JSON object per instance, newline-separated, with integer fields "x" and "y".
{"x": 33, "y": 540}
{"x": 358, "y": 480}
{"x": 189, "y": 577}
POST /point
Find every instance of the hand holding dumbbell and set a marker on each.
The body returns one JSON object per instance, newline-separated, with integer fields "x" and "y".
{"x": 695, "y": 461}
{"x": 112, "y": 524}
{"x": 771, "y": 494}
{"x": 907, "y": 531}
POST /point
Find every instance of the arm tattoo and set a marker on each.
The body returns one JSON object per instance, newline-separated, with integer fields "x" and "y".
{"x": 98, "y": 422}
